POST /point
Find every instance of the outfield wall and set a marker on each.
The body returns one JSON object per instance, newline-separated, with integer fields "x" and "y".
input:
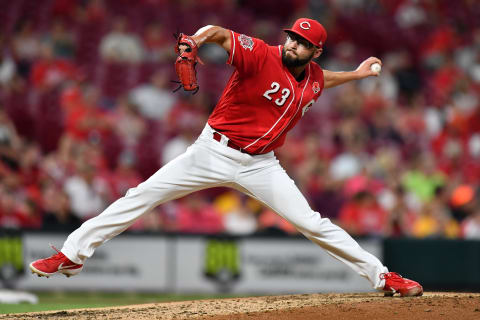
{"x": 203, "y": 264}
{"x": 186, "y": 264}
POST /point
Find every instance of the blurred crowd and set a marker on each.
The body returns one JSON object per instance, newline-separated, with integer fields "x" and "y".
{"x": 87, "y": 111}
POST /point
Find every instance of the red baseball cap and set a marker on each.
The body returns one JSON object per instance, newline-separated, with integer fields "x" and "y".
{"x": 309, "y": 29}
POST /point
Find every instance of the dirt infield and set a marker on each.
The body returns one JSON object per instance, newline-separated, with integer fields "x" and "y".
{"x": 451, "y": 306}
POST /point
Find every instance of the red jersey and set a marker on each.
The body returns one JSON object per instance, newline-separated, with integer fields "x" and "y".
{"x": 262, "y": 100}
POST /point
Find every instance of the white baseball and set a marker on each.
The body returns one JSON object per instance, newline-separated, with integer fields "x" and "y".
{"x": 376, "y": 67}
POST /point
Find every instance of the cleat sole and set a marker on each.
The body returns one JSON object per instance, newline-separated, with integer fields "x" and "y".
{"x": 38, "y": 272}
{"x": 68, "y": 273}
{"x": 414, "y": 292}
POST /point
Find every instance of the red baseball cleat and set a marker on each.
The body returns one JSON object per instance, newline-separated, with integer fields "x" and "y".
{"x": 396, "y": 283}
{"x": 56, "y": 263}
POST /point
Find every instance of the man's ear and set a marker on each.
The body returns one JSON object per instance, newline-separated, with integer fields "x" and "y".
{"x": 318, "y": 52}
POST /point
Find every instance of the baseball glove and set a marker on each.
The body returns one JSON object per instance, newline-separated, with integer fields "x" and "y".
{"x": 186, "y": 63}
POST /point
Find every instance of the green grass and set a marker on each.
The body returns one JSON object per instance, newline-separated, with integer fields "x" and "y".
{"x": 76, "y": 300}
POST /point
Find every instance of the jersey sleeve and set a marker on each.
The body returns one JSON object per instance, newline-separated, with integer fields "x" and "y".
{"x": 248, "y": 54}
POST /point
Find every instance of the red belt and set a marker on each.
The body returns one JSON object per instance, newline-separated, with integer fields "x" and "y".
{"x": 217, "y": 136}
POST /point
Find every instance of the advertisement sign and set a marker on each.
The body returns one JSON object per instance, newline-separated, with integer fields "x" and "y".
{"x": 200, "y": 264}
{"x": 264, "y": 266}
{"x": 11, "y": 257}
{"x": 124, "y": 263}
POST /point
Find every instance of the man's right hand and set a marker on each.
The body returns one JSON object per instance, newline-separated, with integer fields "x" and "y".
{"x": 364, "y": 70}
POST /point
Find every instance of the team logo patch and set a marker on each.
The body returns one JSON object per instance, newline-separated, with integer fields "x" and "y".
{"x": 316, "y": 87}
{"x": 246, "y": 42}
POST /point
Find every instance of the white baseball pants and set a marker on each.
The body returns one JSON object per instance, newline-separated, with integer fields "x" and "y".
{"x": 209, "y": 163}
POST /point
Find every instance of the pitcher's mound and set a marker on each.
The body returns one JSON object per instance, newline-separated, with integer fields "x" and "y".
{"x": 451, "y": 306}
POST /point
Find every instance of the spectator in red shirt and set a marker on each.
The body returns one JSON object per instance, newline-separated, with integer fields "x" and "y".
{"x": 196, "y": 215}
{"x": 363, "y": 216}
{"x": 17, "y": 212}
{"x": 96, "y": 10}
{"x": 85, "y": 120}
{"x": 49, "y": 71}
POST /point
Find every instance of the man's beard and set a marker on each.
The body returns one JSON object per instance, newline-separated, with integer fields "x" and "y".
{"x": 291, "y": 62}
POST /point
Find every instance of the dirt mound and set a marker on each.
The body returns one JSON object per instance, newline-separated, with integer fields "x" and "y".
{"x": 432, "y": 305}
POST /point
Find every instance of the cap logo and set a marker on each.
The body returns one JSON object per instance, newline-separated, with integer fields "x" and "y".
{"x": 305, "y": 25}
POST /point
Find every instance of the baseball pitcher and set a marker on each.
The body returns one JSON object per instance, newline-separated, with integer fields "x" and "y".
{"x": 271, "y": 89}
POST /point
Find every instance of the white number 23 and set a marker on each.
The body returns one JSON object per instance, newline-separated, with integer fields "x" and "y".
{"x": 275, "y": 87}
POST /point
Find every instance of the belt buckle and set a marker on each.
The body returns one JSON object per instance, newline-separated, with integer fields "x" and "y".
{"x": 224, "y": 140}
{"x": 220, "y": 138}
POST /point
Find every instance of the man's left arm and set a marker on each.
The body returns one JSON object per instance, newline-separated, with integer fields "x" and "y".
{"x": 332, "y": 79}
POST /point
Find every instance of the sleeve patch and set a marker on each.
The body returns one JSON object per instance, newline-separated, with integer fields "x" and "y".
{"x": 246, "y": 42}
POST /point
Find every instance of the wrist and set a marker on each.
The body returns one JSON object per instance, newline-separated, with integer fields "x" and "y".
{"x": 201, "y": 35}
{"x": 356, "y": 75}
{"x": 196, "y": 39}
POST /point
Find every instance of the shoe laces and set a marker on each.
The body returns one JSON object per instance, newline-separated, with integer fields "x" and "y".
{"x": 390, "y": 275}
{"x": 59, "y": 255}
